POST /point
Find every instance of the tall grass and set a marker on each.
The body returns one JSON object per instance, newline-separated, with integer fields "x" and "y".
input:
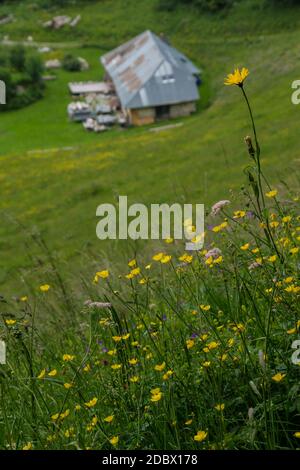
{"x": 181, "y": 351}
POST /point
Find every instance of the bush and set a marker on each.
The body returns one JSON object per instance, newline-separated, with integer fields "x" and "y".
{"x": 18, "y": 58}
{"x": 3, "y": 58}
{"x": 34, "y": 69}
{"x": 71, "y": 63}
{"x": 203, "y": 5}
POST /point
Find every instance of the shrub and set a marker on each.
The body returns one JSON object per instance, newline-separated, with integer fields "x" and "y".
{"x": 203, "y": 5}
{"x": 71, "y": 63}
{"x": 34, "y": 69}
{"x": 18, "y": 58}
{"x": 3, "y": 58}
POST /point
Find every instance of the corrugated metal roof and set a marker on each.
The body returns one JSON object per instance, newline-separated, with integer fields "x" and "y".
{"x": 147, "y": 71}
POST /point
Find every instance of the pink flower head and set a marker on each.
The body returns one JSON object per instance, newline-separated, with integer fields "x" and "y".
{"x": 218, "y": 206}
{"x": 214, "y": 253}
{"x": 100, "y": 305}
{"x": 254, "y": 265}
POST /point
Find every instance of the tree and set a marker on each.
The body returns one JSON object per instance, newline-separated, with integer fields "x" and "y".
{"x": 34, "y": 69}
{"x": 18, "y": 58}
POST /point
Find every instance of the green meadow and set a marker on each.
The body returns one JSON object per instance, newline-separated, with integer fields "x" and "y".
{"x": 141, "y": 345}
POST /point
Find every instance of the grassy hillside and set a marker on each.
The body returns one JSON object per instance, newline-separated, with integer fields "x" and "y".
{"x": 49, "y": 187}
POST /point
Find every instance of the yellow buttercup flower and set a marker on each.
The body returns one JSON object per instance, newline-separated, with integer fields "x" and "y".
{"x": 10, "y": 322}
{"x": 200, "y": 436}
{"x": 188, "y": 422}
{"x": 52, "y": 373}
{"x": 135, "y": 271}
{"x": 116, "y": 366}
{"x": 101, "y": 275}
{"x": 206, "y": 364}
{"x": 190, "y": 343}
{"x": 160, "y": 367}
{"x": 239, "y": 214}
{"x": 134, "y": 379}
{"x": 133, "y": 361}
{"x": 68, "y": 357}
{"x": 69, "y": 432}
{"x": 42, "y": 374}
{"x": 56, "y": 416}
{"x": 297, "y": 434}
{"x": 168, "y": 374}
{"x": 274, "y": 224}
{"x": 237, "y": 77}
{"x": 205, "y": 308}
{"x": 185, "y": 258}
{"x": 45, "y": 287}
{"x": 292, "y": 331}
{"x": 212, "y": 345}
{"x": 292, "y": 289}
{"x": 68, "y": 385}
{"x": 157, "y": 257}
{"x": 132, "y": 263}
{"x": 27, "y": 446}
{"x": 156, "y": 396}
{"x": 112, "y": 352}
{"x": 117, "y": 338}
{"x": 64, "y": 415}
{"x": 92, "y": 424}
{"x": 219, "y": 406}
{"x": 245, "y": 247}
{"x": 92, "y": 402}
{"x": 272, "y": 193}
{"x": 24, "y": 298}
{"x": 278, "y": 377}
{"x": 114, "y": 440}
{"x": 109, "y": 419}
{"x": 165, "y": 259}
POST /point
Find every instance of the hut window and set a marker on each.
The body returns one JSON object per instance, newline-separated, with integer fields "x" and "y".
{"x": 168, "y": 79}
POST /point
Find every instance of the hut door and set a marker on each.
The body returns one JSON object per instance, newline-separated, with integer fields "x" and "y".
{"x": 162, "y": 112}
